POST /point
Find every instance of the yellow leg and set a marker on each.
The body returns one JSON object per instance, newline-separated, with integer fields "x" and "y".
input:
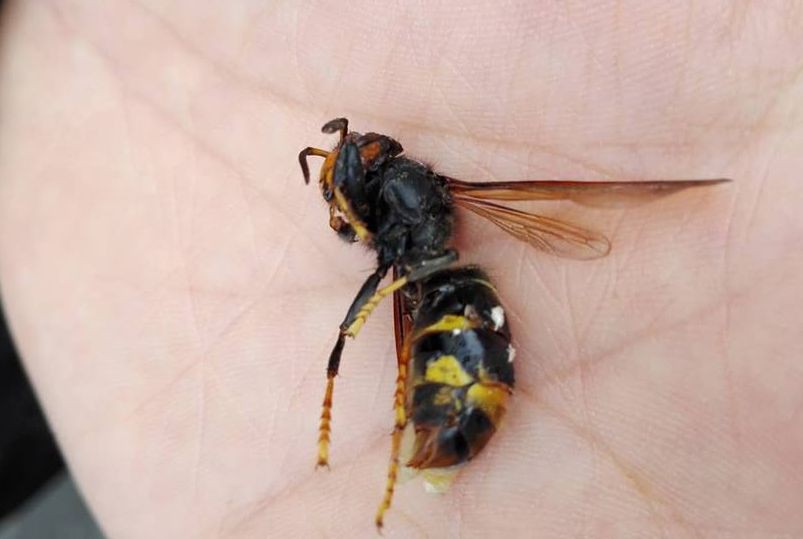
{"x": 400, "y": 408}
{"x": 356, "y": 223}
{"x": 324, "y": 428}
{"x": 371, "y": 304}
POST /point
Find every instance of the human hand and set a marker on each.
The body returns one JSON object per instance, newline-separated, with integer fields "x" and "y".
{"x": 175, "y": 289}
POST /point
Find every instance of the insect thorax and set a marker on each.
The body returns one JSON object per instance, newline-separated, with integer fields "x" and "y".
{"x": 411, "y": 218}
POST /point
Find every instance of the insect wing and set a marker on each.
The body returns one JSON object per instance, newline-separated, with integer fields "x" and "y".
{"x": 402, "y": 321}
{"x": 604, "y": 194}
{"x": 545, "y": 233}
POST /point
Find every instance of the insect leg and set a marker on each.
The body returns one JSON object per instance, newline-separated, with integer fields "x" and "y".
{"x": 400, "y": 409}
{"x": 361, "y": 308}
{"x": 357, "y": 317}
{"x": 366, "y": 292}
{"x": 355, "y": 320}
{"x": 302, "y": 159}
{"x": 401, "y": 321}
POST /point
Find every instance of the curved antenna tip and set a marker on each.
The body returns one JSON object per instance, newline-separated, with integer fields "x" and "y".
{"x": 338, "y": 124}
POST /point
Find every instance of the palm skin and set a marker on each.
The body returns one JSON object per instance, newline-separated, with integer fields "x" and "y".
{"x": 175, "y": 289}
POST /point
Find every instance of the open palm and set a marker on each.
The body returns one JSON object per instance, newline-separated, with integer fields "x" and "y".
{"x": 175, "y": 288}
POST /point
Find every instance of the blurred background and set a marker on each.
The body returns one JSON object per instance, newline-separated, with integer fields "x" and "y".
{"x": 37, "y": 496}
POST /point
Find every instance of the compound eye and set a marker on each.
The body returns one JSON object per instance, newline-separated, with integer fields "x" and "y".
{"x": 328, "y": 195}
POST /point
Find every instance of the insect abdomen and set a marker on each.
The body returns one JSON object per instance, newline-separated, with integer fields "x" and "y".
{"x": 462, "y": 370}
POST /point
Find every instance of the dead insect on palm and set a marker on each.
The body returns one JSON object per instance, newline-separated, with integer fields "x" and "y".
{"x": 453, "y": 343}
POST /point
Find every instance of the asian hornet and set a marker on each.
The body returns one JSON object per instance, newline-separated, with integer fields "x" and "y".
{"x": 453, "y": 342}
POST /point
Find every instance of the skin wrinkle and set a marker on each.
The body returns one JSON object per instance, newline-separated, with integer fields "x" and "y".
{"x": 582, "y": 335}
{"x": 727, "y": 357}
{"x": 219, "y": 67}
{"x": 577, "y": 346}
{"x": 603, "y": 172}
{"x": 553, "y": 296}
{"x": 390, "y": 352}
{"x": 762, "y": 181}
{"x": 561, "y": 375}
{"x": 186, "y": 370}
{"x": 693, "y": 210}
{"x": 263, "y": 502}
{"x": 201, "y": 407}
{"x": 295, "y": 395}
{"x": 341, "y": 74}
{"x": 517, "y": 60}
{"x": 130, "y": 416}
{"x": 246, "y": 308}
{"x": 464, "y": 128}
{"x": 168, "y": 119}
{"x": 686, "y": 63}
{"x": 462, "y": 134}
{"x": 216, "y": 156}
{"x": 536, "y": 272}
{"x": 221, "y": 392}
{"x": 203, "y": 364}
{"x": 637, "y": 480}
{"x": 350, "y": 460}
{"x": 296, "y": 61}
{"x": 261, "y": 89}
{"x": 357, "y": 459}
{"x": 201, "y": 396}
{"x": 250, "y": 216}
{"x": 579, "y": 32}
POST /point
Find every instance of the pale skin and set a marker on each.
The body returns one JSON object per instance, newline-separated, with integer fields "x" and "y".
{"x": 174, "y": 288}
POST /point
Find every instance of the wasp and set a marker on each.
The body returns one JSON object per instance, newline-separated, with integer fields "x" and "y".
{"x": 455, "y": 371}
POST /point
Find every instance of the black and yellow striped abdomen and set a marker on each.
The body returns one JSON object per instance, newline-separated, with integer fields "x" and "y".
{"x": 462, "y": 367}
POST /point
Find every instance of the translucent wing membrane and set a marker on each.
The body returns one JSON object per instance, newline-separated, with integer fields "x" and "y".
{"x": 606, "y": 194}
{"x": 545, "y": 233}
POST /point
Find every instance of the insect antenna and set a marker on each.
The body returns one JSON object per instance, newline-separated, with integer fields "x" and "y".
{"x": 338, "y": 124}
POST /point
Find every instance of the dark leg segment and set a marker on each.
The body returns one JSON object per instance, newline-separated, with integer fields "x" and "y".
{"x": 363, "y": 305}
{"x": 367, "y": 291}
